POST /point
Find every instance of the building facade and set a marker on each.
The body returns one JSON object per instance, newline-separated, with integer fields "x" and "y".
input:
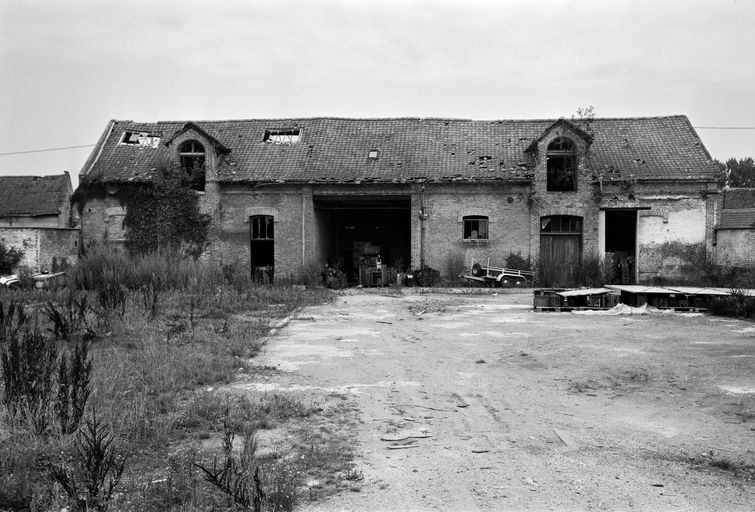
{"x": 35, "y": 217}
{"x": 364, "y": 194}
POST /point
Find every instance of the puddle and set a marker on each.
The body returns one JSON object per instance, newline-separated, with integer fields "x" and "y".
{"x": 738, "y": 390}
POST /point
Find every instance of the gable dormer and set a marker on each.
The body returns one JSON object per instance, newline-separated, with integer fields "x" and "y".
{"x": 197, "y": 153}
{"x": 561, "y": 147}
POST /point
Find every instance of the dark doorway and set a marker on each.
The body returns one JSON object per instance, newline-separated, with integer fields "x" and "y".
{"x": 366, "y": 237}
{"x": 560, "y": 249}
{"x": 621, "y": 238}
{"x": 262, "y": 247}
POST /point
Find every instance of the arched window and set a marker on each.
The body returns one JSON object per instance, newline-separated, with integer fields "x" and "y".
{"x": 562, "y": 165}
{"x": 191, "y": 156}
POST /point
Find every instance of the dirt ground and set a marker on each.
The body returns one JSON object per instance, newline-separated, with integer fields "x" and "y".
{"x": 475, "y": 402}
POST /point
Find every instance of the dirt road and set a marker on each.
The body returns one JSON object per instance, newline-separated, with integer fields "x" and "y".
{"x": 478, "y": 403}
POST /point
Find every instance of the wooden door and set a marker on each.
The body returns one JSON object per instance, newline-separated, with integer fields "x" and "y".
{"x": 560, "y": 249}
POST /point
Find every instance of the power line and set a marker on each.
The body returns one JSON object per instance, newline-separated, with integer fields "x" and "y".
{"x": 48, "y": 149}
{"x": 91, "y": 145}
{"x": 724, "y": 127}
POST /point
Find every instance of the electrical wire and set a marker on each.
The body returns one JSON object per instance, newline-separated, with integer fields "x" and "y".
{"x": 724, "y": 127}
{"x": 48, "y": 149}
{"x": 92, "y": 145}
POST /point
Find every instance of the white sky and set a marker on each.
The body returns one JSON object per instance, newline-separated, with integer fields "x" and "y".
{"x": 68, "y": 67}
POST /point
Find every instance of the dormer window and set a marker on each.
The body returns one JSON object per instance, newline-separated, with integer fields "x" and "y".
{"x": 191, "y": 155}
{"x": 562, "y": 165}
{"x": 282, "y": 136}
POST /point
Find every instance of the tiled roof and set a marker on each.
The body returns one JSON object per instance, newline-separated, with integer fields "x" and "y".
{"x": 739, "y": 198}
{"x": 737, "y": 219}
{"x": 31, "y": 196}
{"x": 333, "y": 150}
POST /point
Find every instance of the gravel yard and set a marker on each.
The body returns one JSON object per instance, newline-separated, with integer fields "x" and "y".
{"x": 475, "y": 402}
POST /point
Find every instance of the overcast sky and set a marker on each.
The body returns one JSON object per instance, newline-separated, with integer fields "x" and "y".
{"x": 68, "y": 67}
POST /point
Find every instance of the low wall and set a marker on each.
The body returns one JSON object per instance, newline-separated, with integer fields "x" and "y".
{"x": 45, "y": 249}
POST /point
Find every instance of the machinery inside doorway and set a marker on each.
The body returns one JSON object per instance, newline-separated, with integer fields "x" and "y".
{"x": 365, "y": 237}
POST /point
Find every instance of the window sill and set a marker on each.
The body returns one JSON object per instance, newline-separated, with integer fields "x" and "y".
{"x": 475, "y": 240}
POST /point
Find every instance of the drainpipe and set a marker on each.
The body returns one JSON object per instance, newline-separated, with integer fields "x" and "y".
{"x": 422, "y": 225}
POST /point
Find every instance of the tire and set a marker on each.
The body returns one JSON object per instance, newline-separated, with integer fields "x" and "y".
{"x": 477, "y": 270}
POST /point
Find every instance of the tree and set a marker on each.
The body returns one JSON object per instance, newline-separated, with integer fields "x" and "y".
{"x": 9, "y": 258}
{"x": 738, "y": 173}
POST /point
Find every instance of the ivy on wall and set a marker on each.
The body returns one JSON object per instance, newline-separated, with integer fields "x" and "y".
{"x": 160, "y": 215}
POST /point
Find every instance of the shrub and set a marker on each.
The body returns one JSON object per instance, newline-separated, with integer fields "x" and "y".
{"x": 736, "y": 305}
{"x": 517, "y": 262}
{"x": 455, "y": 268}
{"x": 91, "y": 477}
{"x": 12, "y": 319}
{"x": 74, "y": 379}
{"x": 29, "y": 364}
{"x": 9, "y": 258}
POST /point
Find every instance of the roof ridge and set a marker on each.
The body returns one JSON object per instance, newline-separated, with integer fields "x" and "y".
{"x": 400, "y": 118}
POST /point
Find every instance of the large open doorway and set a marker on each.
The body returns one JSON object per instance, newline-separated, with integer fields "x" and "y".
{"x": 365, "y": 237}
{"x": 621, "y": 243}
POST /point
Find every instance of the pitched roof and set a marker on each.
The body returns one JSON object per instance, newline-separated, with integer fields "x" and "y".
{"x": 335, "y": 150}
{"x": 737, "y": 219}
{"x": 31, "y": 196}
{"x": 739, "y": 198}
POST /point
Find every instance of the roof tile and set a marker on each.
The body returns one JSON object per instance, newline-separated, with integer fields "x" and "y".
{"x": 335, "y": 150}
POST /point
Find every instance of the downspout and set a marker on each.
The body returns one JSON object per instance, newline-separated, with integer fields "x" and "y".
{"x": 303, "y": 234}
{"x": 422, "y": 224}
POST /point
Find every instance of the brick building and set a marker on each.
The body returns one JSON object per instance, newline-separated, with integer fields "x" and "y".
{"x": 735, "y": 229}
{"x": 35, "y": 217}
{"x": 284, "y": 193}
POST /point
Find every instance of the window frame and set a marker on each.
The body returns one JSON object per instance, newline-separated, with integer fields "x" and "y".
{"x": 255, "y": 222}
{"x": 193, "y": 154}
{"x": 564, "y": 151}
{"x": 469, "y": 222}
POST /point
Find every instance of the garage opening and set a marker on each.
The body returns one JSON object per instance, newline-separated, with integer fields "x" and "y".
{"x": 366, "y": 237}
{"x": 621, "y": 238}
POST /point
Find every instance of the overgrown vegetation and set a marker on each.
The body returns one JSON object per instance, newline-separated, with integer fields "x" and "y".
{"x": 133, "y": 338}
{"x": 160, "y": 215}
{"x": 9, "y": 259}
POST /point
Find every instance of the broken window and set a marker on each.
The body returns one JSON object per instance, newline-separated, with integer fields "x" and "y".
{"x": 191, "y": 155}
{"x": 562, "y": 166}
{"x": 143, "y": 139}
{"x": 262, "y": 227}
{"x": 561, "y": 224}
{"x": 475, "y": 227}
{"x": 282, "y": 136}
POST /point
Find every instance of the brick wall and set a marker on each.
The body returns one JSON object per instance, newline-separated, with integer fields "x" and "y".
{"x": 505, "y": 205}
{"x": 734, "y": 247}
{"x": 45, "y": 249}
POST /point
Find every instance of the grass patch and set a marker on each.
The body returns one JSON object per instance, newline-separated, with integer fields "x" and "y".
{"x": 160, "y": 331}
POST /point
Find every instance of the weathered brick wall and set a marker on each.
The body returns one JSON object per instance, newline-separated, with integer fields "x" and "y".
{"x": 735, "y": 247}
{"x": 45, "y": 249}
{"x": 582, "y": 202}
{"x": 42, "y": 221}
{"x": 505, "y": 205}
{"x": 285, "y": 204}
{"x": 102, "y": 220}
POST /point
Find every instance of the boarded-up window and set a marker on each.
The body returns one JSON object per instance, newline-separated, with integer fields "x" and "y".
{"x": 116, "y": 231}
